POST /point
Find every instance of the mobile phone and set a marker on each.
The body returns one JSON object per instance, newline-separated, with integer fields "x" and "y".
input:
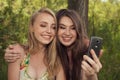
{"x": 96, "y": 45}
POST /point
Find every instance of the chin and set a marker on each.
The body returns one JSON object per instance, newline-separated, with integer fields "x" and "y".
{"x": 45, "y": 42}
{"x": 67, "y": 45}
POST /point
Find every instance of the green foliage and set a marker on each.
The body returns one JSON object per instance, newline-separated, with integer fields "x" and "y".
{"x": 104, "y": 21}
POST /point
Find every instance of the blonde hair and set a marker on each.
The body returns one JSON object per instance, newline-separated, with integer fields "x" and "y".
{"x": 51, "y": 59}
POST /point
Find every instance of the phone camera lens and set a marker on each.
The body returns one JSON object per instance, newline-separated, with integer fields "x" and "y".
{"x": 98, "y": 41}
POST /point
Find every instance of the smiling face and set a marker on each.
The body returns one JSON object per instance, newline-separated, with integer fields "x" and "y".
{"x": 43, "y": 28}
{"x": 66, "y": 31}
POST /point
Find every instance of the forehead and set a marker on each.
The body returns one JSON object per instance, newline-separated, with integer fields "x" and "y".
{"x": 66, "y": 20}
{"x": 45, "y": 17}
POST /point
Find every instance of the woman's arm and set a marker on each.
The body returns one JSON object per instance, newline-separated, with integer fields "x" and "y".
{"x": 13, "y": 70}
{"x": 14, "y": 67}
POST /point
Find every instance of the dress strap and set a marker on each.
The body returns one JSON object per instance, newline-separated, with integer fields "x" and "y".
{"x": 25, "y": 62}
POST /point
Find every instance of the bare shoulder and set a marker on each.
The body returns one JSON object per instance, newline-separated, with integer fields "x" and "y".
{"x": 61, "y": 74}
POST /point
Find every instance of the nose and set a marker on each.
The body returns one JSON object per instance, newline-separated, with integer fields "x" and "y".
{"x": 67, "y": 32}
{"x": 49, "y": 29}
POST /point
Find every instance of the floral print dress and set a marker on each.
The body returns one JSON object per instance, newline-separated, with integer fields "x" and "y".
{"x": 24, "y": 68}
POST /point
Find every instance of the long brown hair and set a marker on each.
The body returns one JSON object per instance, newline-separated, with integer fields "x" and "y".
{"x": 78, "y": 48}
{"x": 51, "y": 59}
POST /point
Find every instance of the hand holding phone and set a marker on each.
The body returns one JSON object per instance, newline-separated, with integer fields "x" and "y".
{"x": 95, "y": 44}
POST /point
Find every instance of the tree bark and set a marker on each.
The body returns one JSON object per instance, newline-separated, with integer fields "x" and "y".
{"x": 81, "y": 6}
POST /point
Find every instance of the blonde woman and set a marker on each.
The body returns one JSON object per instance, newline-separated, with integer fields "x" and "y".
{"x": 41, "y": 61}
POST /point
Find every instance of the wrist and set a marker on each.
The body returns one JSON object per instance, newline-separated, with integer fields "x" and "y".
{"x": 92, "y": 77}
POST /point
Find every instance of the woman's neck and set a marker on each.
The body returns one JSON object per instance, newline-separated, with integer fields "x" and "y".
{"x": 38, "y": 50}
{"x": 41, "y": 48}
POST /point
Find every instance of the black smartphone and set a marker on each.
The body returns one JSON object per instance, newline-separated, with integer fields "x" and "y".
{"x": 95, "y": 44}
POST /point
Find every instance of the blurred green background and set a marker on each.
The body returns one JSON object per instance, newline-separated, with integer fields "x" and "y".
{"x": 103, "y": 21}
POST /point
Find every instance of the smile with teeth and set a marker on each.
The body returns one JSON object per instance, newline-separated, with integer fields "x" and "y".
{"x": 67, "y": 39}
{"x": 46, "y": 36}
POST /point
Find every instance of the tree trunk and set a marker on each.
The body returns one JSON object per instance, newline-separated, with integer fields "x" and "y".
{"x": 81, "y": 6}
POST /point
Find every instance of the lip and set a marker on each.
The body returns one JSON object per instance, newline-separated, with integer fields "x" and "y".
{"x": 66, "y": 39}
{"x": 46, "y": 36}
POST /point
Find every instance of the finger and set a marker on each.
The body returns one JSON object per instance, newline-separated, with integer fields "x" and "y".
{"x": 10, "y": 47}
{"x": 93, "y": 54}
{"x": 10, "y": 60}
{"x": 12, "y": 52}
{"x": 91, "y": 63}
{"x": 96, "y": 59}
{"x": 89, "y": 60}
{"x": 87, "y": 67}
{"x": 6, "y": 49}
{"x": 84, "y": 68}
{"x": 101, "y": 53}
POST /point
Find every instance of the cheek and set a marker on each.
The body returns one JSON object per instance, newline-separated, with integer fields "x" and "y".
{"x": 35, "y": 35}
{"x": 35, "y": 29}
{"x": 60, "y": 32}
{"x": 74, "y": 35}
{"x": 37, "y": 32}
{"x": 54, "y": 32}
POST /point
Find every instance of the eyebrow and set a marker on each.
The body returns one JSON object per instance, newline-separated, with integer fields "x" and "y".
{"x": 62, "y": 24}
{"x": 43, "y": 22}
{"x": 65, "y": 25}
{"x": 46, "y": 22}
